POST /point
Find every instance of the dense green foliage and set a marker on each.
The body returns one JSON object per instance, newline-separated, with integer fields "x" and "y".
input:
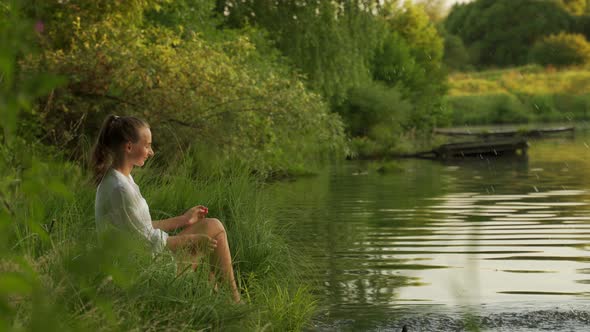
{"x": 208, "y": 71}
{"x": 342, "y": 46}
{"x": 411, "y": 59}
{"x": 224, "y": 94}
{"x": 456, "y": 55}
{"x": 501, "y": 32}
{"x": 561, "y": 50}
{"x": 61, "y": 17}
{"x": 377, "y": 112}
{"x": 331, "y": 42}
{"x": 510, "y": 109}
{"x": 487, "y": 109}
{"x": 576, "y": 7}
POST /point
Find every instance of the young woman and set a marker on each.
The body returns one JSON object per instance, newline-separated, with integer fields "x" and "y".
{"x": 123, "y": 143}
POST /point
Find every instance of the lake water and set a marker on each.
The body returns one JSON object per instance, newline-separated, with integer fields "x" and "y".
{"x": 503, "y": 243}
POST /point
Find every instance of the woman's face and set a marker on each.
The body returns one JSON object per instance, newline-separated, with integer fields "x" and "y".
{"x": 137, "y": 153}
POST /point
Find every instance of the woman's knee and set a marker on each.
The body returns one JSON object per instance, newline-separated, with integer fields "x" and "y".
{"x": 214, "y": 226}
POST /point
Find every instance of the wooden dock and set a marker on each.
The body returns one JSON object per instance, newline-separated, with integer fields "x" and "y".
{"x": 487, "y": 143}
{"x": 496, "y": 147}
{"x": 506, "y": 132}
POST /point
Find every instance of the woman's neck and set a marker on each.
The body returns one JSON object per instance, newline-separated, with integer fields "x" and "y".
{"x": 123, "y": 168}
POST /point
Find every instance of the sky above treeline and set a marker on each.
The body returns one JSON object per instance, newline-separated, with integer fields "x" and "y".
{"x": 449, "y": 3}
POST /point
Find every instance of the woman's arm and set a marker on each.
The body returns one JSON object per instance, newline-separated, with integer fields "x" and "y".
{"x": 171, "y": 223}
{"x": 192, "y": 216}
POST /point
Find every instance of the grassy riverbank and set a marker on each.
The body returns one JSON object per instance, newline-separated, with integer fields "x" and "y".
{"x": 79, "y": 284}
{"x": 519, "y": 95}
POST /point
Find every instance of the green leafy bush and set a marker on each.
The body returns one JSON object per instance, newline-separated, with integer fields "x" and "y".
{"x": 545, "y": 94}
{"x": 330, "y": 42}
{"x": 543, "y": 107}
{"x": 575, "y": 7}
{"x": 376, "y": 114}
{"x": 410, "y": 58}
{"x": 562, "y": 49}
{"x": 487, "y": 109}
{"x": 394, "y": 64}
{"x": 374, "y": 105}
{"x": 189, "y": 90}
{"x": 456, "y": 55}
{"x": 573, "y": 107}
{"x": 58, "y": 17}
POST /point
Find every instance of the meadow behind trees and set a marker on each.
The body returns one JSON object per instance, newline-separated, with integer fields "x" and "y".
{"x": 517, "y": 62}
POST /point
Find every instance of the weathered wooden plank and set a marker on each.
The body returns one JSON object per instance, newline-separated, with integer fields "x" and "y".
{"x": 506, "y": 132}
{"x": 485, "y": 147}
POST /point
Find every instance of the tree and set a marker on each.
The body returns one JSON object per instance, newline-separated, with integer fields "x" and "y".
{"x": 501, "y": 32}
{"x": 331, "y": 42}
{"x": 562, "y": 50}
{"x": 410, "y": 57}
{"x": 576, "y": 7}
{"x": 188, "y": 16}
{"x": 456, "y": 54}
{"x": 60, "y": 18}
{"x": 426, "y": 45}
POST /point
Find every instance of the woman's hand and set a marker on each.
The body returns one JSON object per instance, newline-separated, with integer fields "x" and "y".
{"x": 195, "y": 214}
{"x": 204, "y": 242}
{"x": 196, "y": 242}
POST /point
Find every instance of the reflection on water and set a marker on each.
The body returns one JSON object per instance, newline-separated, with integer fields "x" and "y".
{"x": 495, "y": 232}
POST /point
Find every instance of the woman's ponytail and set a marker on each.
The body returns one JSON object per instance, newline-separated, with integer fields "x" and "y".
{"x": 102, "y": 156}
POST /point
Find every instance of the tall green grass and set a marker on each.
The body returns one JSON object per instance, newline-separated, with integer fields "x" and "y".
{"x": 113, "y": 285}
{"x": 519, "y": 95}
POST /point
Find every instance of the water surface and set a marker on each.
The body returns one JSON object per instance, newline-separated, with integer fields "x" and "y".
{"x": 504, "y": 241}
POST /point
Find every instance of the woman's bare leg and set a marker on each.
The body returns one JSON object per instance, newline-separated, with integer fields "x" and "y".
{"x": 221, "y": 257}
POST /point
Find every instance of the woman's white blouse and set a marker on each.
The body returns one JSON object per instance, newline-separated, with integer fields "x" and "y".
{"x": 119, "y": 203}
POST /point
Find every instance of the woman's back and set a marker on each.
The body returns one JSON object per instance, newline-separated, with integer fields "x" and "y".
{"x": 119, "y": 203}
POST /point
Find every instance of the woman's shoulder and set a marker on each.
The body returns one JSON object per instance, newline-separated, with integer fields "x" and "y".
{"x": 112, "y": 181}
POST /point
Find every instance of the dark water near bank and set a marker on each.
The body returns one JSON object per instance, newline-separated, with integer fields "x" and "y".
{"x": 501, "y": 243}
